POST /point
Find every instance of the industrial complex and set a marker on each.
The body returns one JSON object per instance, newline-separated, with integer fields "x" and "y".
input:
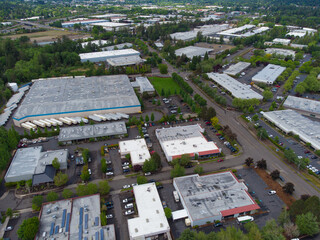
{"x": 92, "y": 131}
{"x": 176, "y": 141}
{"x": 243, "y": 31}
{"x": 151, "y": 222}
{"x": 237, "y": 68}
{"x": 214, "y": 197}
{"x": 193, "y": 51}
{"x": 144, "y": 85}
{"x": 289, "y": 121}
{"x": 106, "y": 55}
{"x": 236, "y": 88}
{"x": 77, "y": 97}
{"x": 33, "y": 163}
{"x": 137, "y": 149}
{"x": 304, "y": 106}
{"x": 269, "y": 74}
{"x": 74, "y": 218}
{"x": 281, "y": 52}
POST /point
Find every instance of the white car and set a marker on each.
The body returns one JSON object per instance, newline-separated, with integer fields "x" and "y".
{"x": 129, "y": 212}
{"x": 125, "y": 167}
{"x": 108, "y": 162}
{"x": 147, "y": 174}
{"x": 126, "y": 186}
{"x": 109, "y": 173}
{"x": 134, "y": 184}
{"x": 9, "y": 228}
{"x": 125, "y": 164}
{"x": 89, "y": 170}
{"x": 272, "y": 192}
{"x": 109, "y": 216}
{"x": 300, "y": 157}
{"x": 129, "y": 205}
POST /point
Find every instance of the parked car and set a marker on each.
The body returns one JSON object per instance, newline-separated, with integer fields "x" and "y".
{"x": 127, "y": 200}
{"x": 306, "y": 151}
{"x": 126, "y": 186}
{"x": 159, "y": 186}
{"x": 89, "y": 170}
{"x": 109, "y": 207}
{"x": 218, "y": 224}
{"x": 9, "y": 228}
{"x": 109, "y": 173}
{"x": 125, "y": 167}
{"x": 125, "y": 164}
{"x": 109, "y": 216}
{"x": 164, "y": 204}
{"x": 129, "y": 205}
{"x": 108, "y": 162}
{"x": 134, "y": 184}
{"x": 109, "y": 169}
{"x": 129, "y": 212}
{"x": 272, "y": 192}
{"x": 220, "y": 160}
{"x": 126, "y": 170}
{"x": 147, "y": 173}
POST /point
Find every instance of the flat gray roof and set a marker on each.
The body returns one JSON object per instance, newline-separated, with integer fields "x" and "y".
{"x": 145, "y": 85}
{"x": 236, "y": 88}
{"x": 269, "y": 74}
{"x": 29, "y": 161}
{"x": 56, "y": 96}
{"x": 291, "y": 121}
{"x": 108, "y": 54}
{"x": 192, "y": 51}
{"x": 118, "y": 46}
{"x": 304, "y": 104}
{"x": 92, "y": 131}
{"x": 280, "y": 51}
{"x": 125, "y": 61}
{"x": 211, "y": 195}
{"x": 64, "y": 216}
{"x": 237, "y": 68}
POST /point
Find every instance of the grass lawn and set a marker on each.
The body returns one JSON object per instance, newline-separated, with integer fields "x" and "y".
{"x": 164, "y": 83}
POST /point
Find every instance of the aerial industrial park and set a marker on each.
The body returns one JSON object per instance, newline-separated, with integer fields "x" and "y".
{"x": 159, "y": 120}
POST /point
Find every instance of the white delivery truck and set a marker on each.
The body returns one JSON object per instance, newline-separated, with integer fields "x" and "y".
{"x": 244, "y": 219}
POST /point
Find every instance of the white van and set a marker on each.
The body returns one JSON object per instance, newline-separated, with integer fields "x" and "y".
{"x": 129, "y": 205}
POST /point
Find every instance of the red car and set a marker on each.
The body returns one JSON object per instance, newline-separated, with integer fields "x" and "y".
{"x": 220, "y": 160}
{"x": 306, "y": 151}
{"x": 277, "y": 86}
{"x": 218, "y": 134}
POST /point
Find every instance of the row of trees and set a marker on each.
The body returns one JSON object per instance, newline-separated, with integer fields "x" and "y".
{"x": 9, "y": 140}
{"x": 184, "y": 85}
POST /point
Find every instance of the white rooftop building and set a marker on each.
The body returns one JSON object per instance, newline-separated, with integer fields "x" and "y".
{"x": 304, "y": 106}
{"x": 151, "y": 221}
{"x": 301, "y": 32}
{"x": 104, "y": 55}
{"x": 243, "y": 31}
{"x": 193, "y": 51}
{"x": 137, "y": 148}
{"x": 111, "y": 26}
{"x": 236, "y": 88}
{"x": 125, "y": 61}
{"x": 177, "y": 141}
{"x": 237, "y": 68}
{"x": 143, "y": 84}
{"x": 282, "y": 41}
{"x": 281, "y": 52}
{"x": 96, "y": 42}
{"x": 291, "y": 121}
{"x": 269, "y": 74}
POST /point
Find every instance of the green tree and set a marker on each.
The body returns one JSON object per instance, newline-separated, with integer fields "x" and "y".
{"x": 60, "y": 179}
{"x": 52, "y": 196}
{"x": 104, "y": 187}
{"x": 29, "y": 228}
{"x": 56, "y": 164}
{"x": 147, "y": 118}
{"x": 168, "y": 212}
{"x": 9, "y": 212}
{"x": 262, "y": 134}
{"x": 185, "y": 159}
{"x": 152, "y": 117}
{"x": 82, "y": 190}
{"x": 275, "y": 174}
{"x": 177, "y": 171}
{"x": 92, "y": 188}
{"x": 214, "y": 121}
{"x": 262, "y": 164}
{"x": 307, "y": 224}
{"x": 267, "y": 95}
{"x": 37, "y": 202}
{"x": 103, "y": 218}
{"x": 198, "y": 169}
{"x": 142, "y": 180}
{"x": 85, "y": 155}
{"x": 103, "y": 165}
{"x": 255, "y": 117}
{"x": 249, "y": 161}
{"x": 102, "y": 152}
{"x": 66, "y": 193}
{"x": 163, "y": 68}
{"x": 272, "y": 231}
{"x": 253, "y": 231}
{"x": 288, "y": 188}
{"x": 85, "y": 175}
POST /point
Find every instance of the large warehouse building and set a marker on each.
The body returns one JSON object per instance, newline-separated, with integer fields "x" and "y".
{"x": 213, "y": 197}
{"x": 74, "y": 218}
{"x": 137, "y": 149}
{"x": 177, "y": 141}
{"x": 105, "y": 55}
{"x": 304, "y": 106}
{"x": 269, "y": 74}
{"x": 151, "y": 222}
{"x": 32, "y": 163}
{"x": 236, "y": 88}
{"x": 291, "y": 121}
{"x": 192, "y": 51}
{"x": 77, "y": 97}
